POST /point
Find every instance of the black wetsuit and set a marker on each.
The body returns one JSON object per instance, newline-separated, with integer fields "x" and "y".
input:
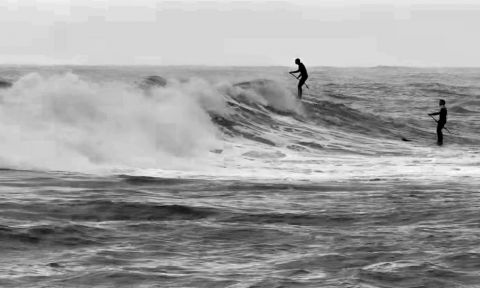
{"x": 303, "y": 74}
{"x": 440, "y": 124}
{"x": 303, "y": 77}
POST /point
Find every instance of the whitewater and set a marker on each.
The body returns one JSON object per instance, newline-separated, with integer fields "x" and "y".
{"x": 122, "y": 176}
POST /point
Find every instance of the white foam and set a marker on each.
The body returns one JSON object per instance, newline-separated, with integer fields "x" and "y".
{"x": 64, "y": 122}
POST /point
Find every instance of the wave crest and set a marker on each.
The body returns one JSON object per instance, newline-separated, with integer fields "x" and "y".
{"x": 65, "y": 122}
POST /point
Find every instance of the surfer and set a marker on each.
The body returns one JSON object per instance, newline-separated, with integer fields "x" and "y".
{"x": 303, "y": 76}
{"x": 441, "y": 121}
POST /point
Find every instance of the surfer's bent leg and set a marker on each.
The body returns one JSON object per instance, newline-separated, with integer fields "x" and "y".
{"x": 300, "y": 84}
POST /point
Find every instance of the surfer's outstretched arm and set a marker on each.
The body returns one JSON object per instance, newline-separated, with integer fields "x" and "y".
{"x": 435, "y": 113}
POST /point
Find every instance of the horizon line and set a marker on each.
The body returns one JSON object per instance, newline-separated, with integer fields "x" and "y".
{"x": 231, "y": 66}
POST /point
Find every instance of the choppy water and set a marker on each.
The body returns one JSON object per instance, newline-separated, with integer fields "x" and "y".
{"x": 221, "y": 179}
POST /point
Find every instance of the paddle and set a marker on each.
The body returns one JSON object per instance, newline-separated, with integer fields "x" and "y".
{"x": 297, "y": 79}
{"x": 437, "y": 122}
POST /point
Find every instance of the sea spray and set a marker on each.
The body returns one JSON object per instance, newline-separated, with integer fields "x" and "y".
{"x": 269, "y": 93}
{"x": 65, "y": 122}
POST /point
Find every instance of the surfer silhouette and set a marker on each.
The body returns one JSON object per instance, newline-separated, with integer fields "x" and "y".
{"x": 303, "y": 76}
{"x": 441, "y": 121}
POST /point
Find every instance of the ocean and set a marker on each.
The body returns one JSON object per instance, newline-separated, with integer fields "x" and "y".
{"x": 220, "y": 177}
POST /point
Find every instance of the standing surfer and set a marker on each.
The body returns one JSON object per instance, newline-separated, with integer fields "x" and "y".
{"x": 441, "y": 121}
{"x": 303, "y": 76}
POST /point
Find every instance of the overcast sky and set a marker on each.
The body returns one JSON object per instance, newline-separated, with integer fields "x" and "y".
{"x": 320, "y": 32}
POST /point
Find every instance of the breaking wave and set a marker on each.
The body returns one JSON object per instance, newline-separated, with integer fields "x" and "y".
{"x": 65, "y": 122}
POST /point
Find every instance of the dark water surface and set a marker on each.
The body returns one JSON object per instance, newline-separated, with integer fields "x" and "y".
{"x": 73, "y": 230}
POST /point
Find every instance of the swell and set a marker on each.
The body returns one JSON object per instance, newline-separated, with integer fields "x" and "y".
{"x": 51, "y": 234}
{"x": 105, "y": 210}
{"x": 446, "y": 90}
{"x": 319, "y": 118}
{"x": 147, "y": 180}
{"x": 256, "y": 121}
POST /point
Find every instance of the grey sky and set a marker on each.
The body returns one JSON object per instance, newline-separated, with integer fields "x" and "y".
{"x": 321, "y": 32}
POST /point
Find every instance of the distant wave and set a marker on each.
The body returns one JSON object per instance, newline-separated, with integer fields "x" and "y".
{"x": 460, "y": 110}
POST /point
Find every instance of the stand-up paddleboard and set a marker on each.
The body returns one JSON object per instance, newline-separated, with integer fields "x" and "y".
{"x": 5, "y": 84}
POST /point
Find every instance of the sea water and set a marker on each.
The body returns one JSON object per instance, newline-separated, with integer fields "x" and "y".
{"x": 222, "y": 178}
